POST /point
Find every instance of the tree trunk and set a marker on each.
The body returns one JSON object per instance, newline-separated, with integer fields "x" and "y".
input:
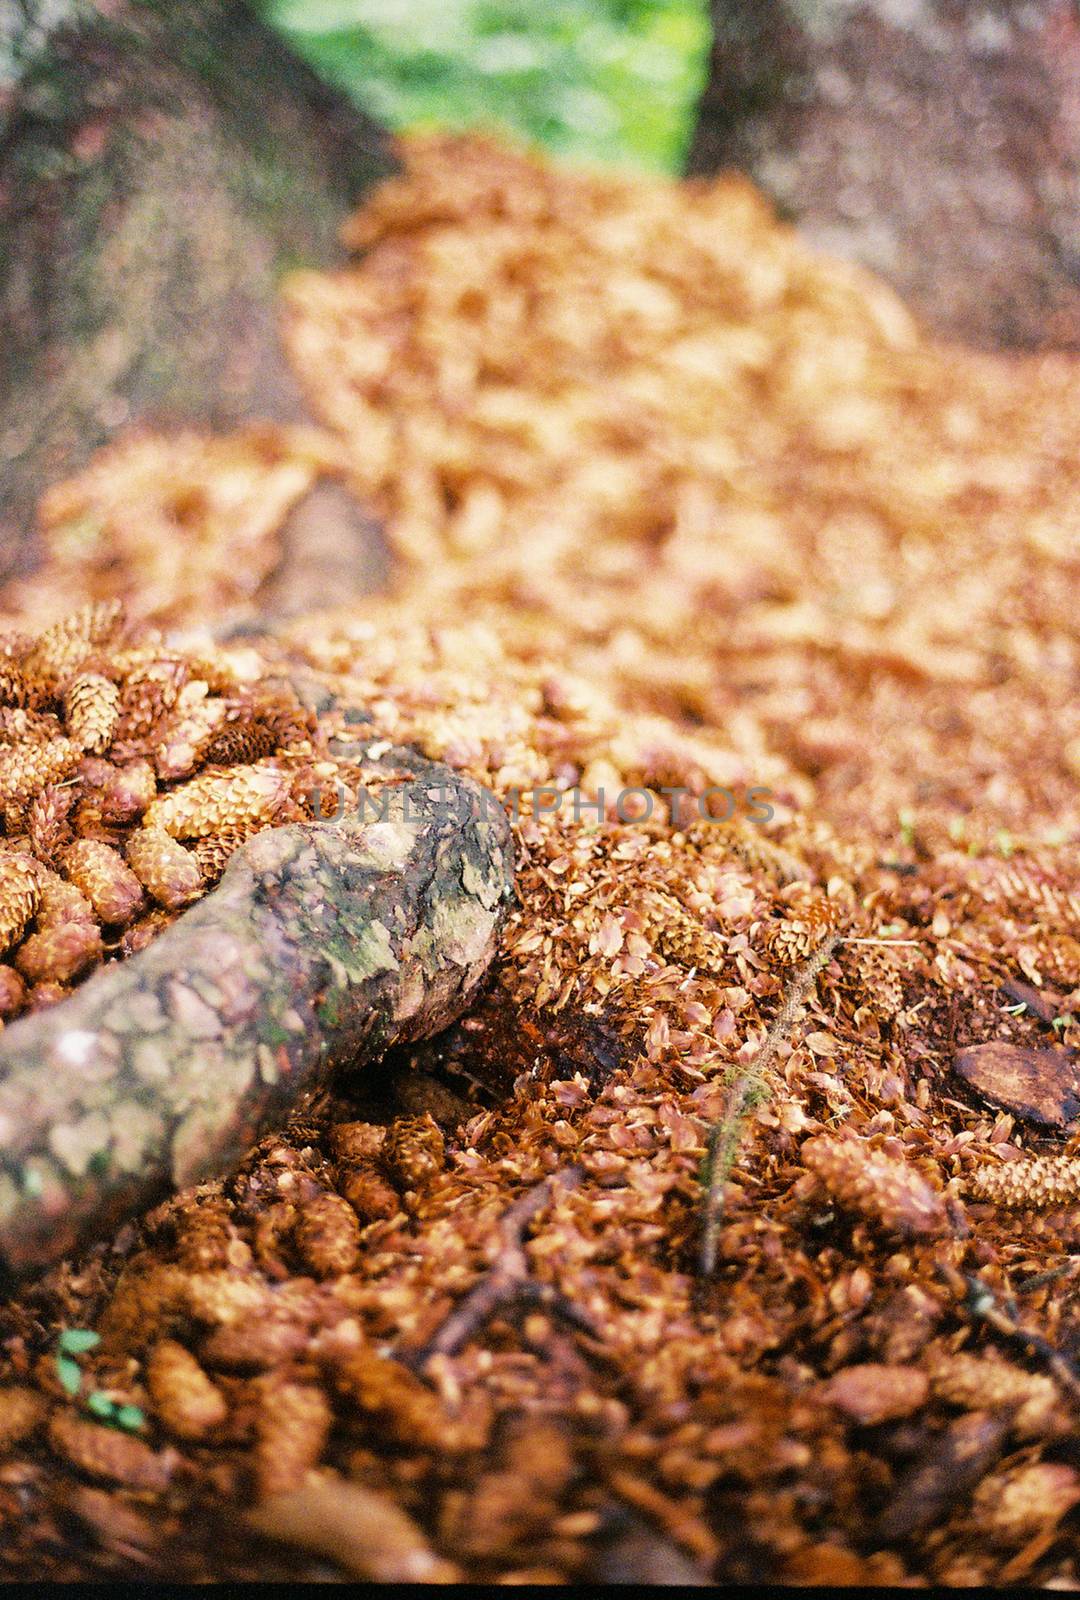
{"x": 937, "y": 141}
{"x": 161, "y": 163}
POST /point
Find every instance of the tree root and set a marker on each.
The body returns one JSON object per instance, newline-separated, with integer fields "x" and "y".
{"x": 324, "y": 945}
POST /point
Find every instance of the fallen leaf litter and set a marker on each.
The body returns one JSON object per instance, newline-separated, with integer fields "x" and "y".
{"x": 727, "y": 522}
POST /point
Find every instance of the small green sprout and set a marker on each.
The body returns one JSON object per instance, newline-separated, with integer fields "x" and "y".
{"x": 113, "y": 1413}
{"x": 67, "y": 1370}
{"x": 78, "y": 1341}
{"x": 73, "y": 1342}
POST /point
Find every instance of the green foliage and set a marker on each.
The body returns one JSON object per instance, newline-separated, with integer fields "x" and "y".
{"x": 77, "y": 1341}
{"x": 73, "y": 1342}
{"x": 608, "y": 80}
{"x": 115, "y": 1415}
{"x": 67, "y": 1370}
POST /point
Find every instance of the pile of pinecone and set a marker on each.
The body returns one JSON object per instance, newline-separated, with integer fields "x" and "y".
{"x": 130, "y": 770}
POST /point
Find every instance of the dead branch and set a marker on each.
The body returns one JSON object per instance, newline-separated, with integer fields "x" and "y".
{"x": 980, "y": 1303}
{"x": 508, "y": 1278}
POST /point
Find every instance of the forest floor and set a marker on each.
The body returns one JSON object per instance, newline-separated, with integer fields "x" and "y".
{"x": 676, "y": 507}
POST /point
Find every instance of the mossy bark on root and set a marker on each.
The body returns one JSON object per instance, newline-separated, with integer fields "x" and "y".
{"x": 324, "y": 944}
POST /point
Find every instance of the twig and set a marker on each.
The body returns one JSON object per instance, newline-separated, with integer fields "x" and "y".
{"x": 981, "y": 1303}
{"x": 725, "y": 1135}
{"x": 507, "y": 1279}
{"x": 879, "y": 941}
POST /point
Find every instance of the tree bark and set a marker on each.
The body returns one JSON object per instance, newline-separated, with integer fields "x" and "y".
{"x": 323, "y": 945}
{"x": 936, "y": 141}
{"x": 162, "y": 162}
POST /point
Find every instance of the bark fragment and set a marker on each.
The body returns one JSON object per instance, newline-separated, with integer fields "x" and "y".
{"x": 1040, "y": 1086}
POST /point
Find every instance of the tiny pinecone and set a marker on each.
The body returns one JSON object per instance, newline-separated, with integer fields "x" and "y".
{"x": 106, "y": 880}
{"x": 184, "y": 1399}
{"x": 145, "y": 931}
{"x": 126, "y": 792}
{"x": 14, "y": 690}
{"x": 413, "y": 1150}
{"x": 88, "y": 823}
{"x": 273, "y": 1226}
{"x": 185, "y": 737}
{"x": 984, "y": 1382}
{"x": 402, "y": 1408}
{"x": 1026, "y": 886}
{"x": 12, "y": 992}
{"x": 260, "y": 1346}
{"x": 108, "y": 1454}
{"x": 790, "y": 939}
{"x": 291, "y": 1430}
{"x": 371, "y": 1195}
{"x": 879, "y": 979}
{"x": 26, "y": 769}
{"x": 20, "y": 891}
{"x": 242, "y": 740}
{"x": 745, "y": 842}
{"x": 58, "y": 954}
{"x": 1054, "y": 957}
{"x": 147, "y": 1299}
{"x": 28, "y": 727}
{"x": 47, "y": 821}
{"x": 216, "y": 672}
{"x": 1033, "y": 1185}
{"x": 21, "y": 1412}
{"x": 883, "y": 1188}
{"x": 44, "y": 995}
{"x": 164, "y": 868}
{"x": 290, "y": 724}
{"x": 205, "y": 1236}
{"x": 224, "y": 1298}
{"x": 149, "y": 691}
{"x": 327, "y": 1236}
{"x": 91, "y": 710}
{"x": 215, "y": 803}
{"x": 356, "y": 1141}
{"x": 214, "y": 853}
{"x": 59, "y": 652}
{"x": 679, "y": 936}
{"x": 517, "y": 1496}
{"x": 61, "y": 902}
{"x": 691, "y": 945}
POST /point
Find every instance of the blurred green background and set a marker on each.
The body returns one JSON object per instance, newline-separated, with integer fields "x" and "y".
{"x": 608, "y": 80}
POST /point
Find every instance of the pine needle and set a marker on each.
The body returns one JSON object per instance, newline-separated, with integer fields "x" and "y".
{"x": 725, "y": 1134}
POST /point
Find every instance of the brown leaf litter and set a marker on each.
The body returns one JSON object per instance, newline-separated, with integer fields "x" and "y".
{"x": 679, "y": 507}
